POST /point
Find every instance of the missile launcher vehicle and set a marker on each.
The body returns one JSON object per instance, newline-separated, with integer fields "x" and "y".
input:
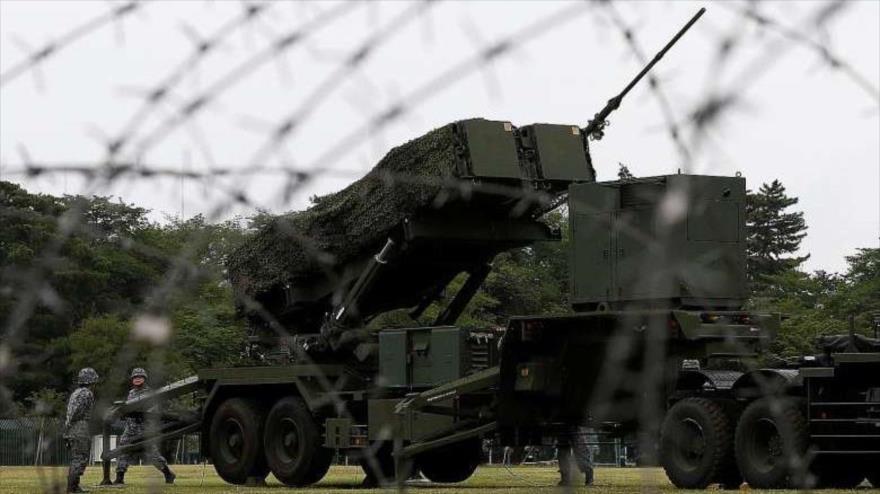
{"x": 656, "y": 341}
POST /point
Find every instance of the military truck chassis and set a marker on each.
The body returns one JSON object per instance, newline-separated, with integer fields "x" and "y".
{"x": 813, "y": 425}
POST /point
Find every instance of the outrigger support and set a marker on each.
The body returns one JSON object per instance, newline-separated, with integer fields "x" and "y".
{"x": 425, "y": 401}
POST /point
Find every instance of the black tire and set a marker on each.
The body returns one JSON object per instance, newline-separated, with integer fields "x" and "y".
{"x": 236, "y": 445}
{"x": 320, "y": 465}
{"x": 696, "y": 445}
{"x": 292, "y": 441}
{"x": 453, "y": 463}
{"x": 771, "y": 442}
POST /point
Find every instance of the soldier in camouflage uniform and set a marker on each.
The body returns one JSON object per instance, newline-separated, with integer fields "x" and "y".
{"x": 76, "y": 427}
{"x": 134, "y": 428}
{"x": 575, "y": 443}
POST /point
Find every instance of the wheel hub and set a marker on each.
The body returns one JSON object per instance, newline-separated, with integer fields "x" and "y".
{"x": 287, "y": 447}
{"x": 233, "y": 444}
{"x": 766, "y": 445}
{"x": 692, "y": 443}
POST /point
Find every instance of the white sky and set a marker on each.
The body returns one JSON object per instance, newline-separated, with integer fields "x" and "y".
{"x": 813, "y": 128}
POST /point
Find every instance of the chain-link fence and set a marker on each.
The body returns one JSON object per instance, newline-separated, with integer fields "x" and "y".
{"x": 28, "y": 441}
{"x": 40, "y": 442}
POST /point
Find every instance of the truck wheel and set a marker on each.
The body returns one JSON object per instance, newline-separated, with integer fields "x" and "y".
{"x": 453, "y": 463}
{"x": 293, "y": 445}
{"x": 696, "y": 444}
{"x": 320, "y": 465}
{"x": 235, "y": 446}
{"x": 771, "y": 439}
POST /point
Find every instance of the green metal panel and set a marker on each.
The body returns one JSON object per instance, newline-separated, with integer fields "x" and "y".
{"x": 592, "y": 198}
{"x": 637, "y": 274}
{"x": 714, "y": 270}
{"x": 857, "y": 358}
{"x": 591, "y": 261}
{"x": 491, "y": 148}
{"x": 268, "y": 374}
{"x": 447, "y": 356}
{"x": 817, "y": 371}
{"x": 421, "y": 357}
{"x": 423, "y": 424}
{"x": 706, "y": 187}
{"x": 393, "y": 358}
{"x": 385, "y": 424}
{"x": 591, "y": 210}
{"x": 678, "y": 238}
{"x": 716, "y": 221}
{"x": 337, "y": 433}
{"x": 560, "y": 152}
{"x": 715, "y": 247}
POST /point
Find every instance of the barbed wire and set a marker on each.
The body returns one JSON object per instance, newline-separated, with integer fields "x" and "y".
{"x": 279, "y": 45}
{"x": 52, "y": 48}
{"x": 716, "y": 104}
{"x": 669, "y": 116}
{"x": 125, "y": 154}
{"x": 203, "y": 47}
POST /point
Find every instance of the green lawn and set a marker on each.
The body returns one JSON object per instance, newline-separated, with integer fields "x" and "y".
{"x": 192, "y": 479}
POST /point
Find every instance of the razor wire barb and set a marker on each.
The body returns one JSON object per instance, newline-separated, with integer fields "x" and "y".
{"x": 41, "y": 55}
{"x": 126, "y": 148}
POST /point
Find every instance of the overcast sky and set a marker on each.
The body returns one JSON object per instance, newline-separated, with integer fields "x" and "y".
{"x": 814, "y": 128}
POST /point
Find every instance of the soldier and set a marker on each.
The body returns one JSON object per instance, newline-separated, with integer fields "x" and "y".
{"x": 76, "y": 427}
{"x": 134, "y": 428}
{"x": 575, "y": 442}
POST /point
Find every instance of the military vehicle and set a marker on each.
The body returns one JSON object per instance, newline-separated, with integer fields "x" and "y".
{"x": 657, "y": 269}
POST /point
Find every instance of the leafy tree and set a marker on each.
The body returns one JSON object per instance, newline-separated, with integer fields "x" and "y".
{"x": 859, "y": 293}
{"x": 62, "y": 261}
{"x": 75, "y": 271}
{"x": 802, "y": 298}
{"x": 820, "y": 303}
{"x": 207, "y": 332}
{"x": 774, "y": 234}
{"x": 47, "y": 402}
{"x": 105, "y": 343}
{"x": 532, "y": 280}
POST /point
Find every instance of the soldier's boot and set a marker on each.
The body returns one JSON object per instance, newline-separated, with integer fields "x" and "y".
{"x": 73, "y": 484}
{"x": 565, "y": 467}
{"x": 120, "y": 478}
{"x": 564, "y": 478}
{"x": 169, "y": 475}
{"x": 588, "y": 477}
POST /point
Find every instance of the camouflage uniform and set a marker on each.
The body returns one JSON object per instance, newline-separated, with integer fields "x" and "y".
{"x": 134, "y": 429}
{"x": 575, "y": 442}
{"x": 76, "y": 427}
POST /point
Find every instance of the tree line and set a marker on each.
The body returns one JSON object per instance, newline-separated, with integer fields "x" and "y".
{"x": 80, "y": 275}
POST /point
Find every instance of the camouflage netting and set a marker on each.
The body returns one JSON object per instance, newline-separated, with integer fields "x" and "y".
{"x": 347, "y": 224}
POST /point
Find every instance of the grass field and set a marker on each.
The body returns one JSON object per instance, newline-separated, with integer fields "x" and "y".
{"x": 487, "y": 480}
